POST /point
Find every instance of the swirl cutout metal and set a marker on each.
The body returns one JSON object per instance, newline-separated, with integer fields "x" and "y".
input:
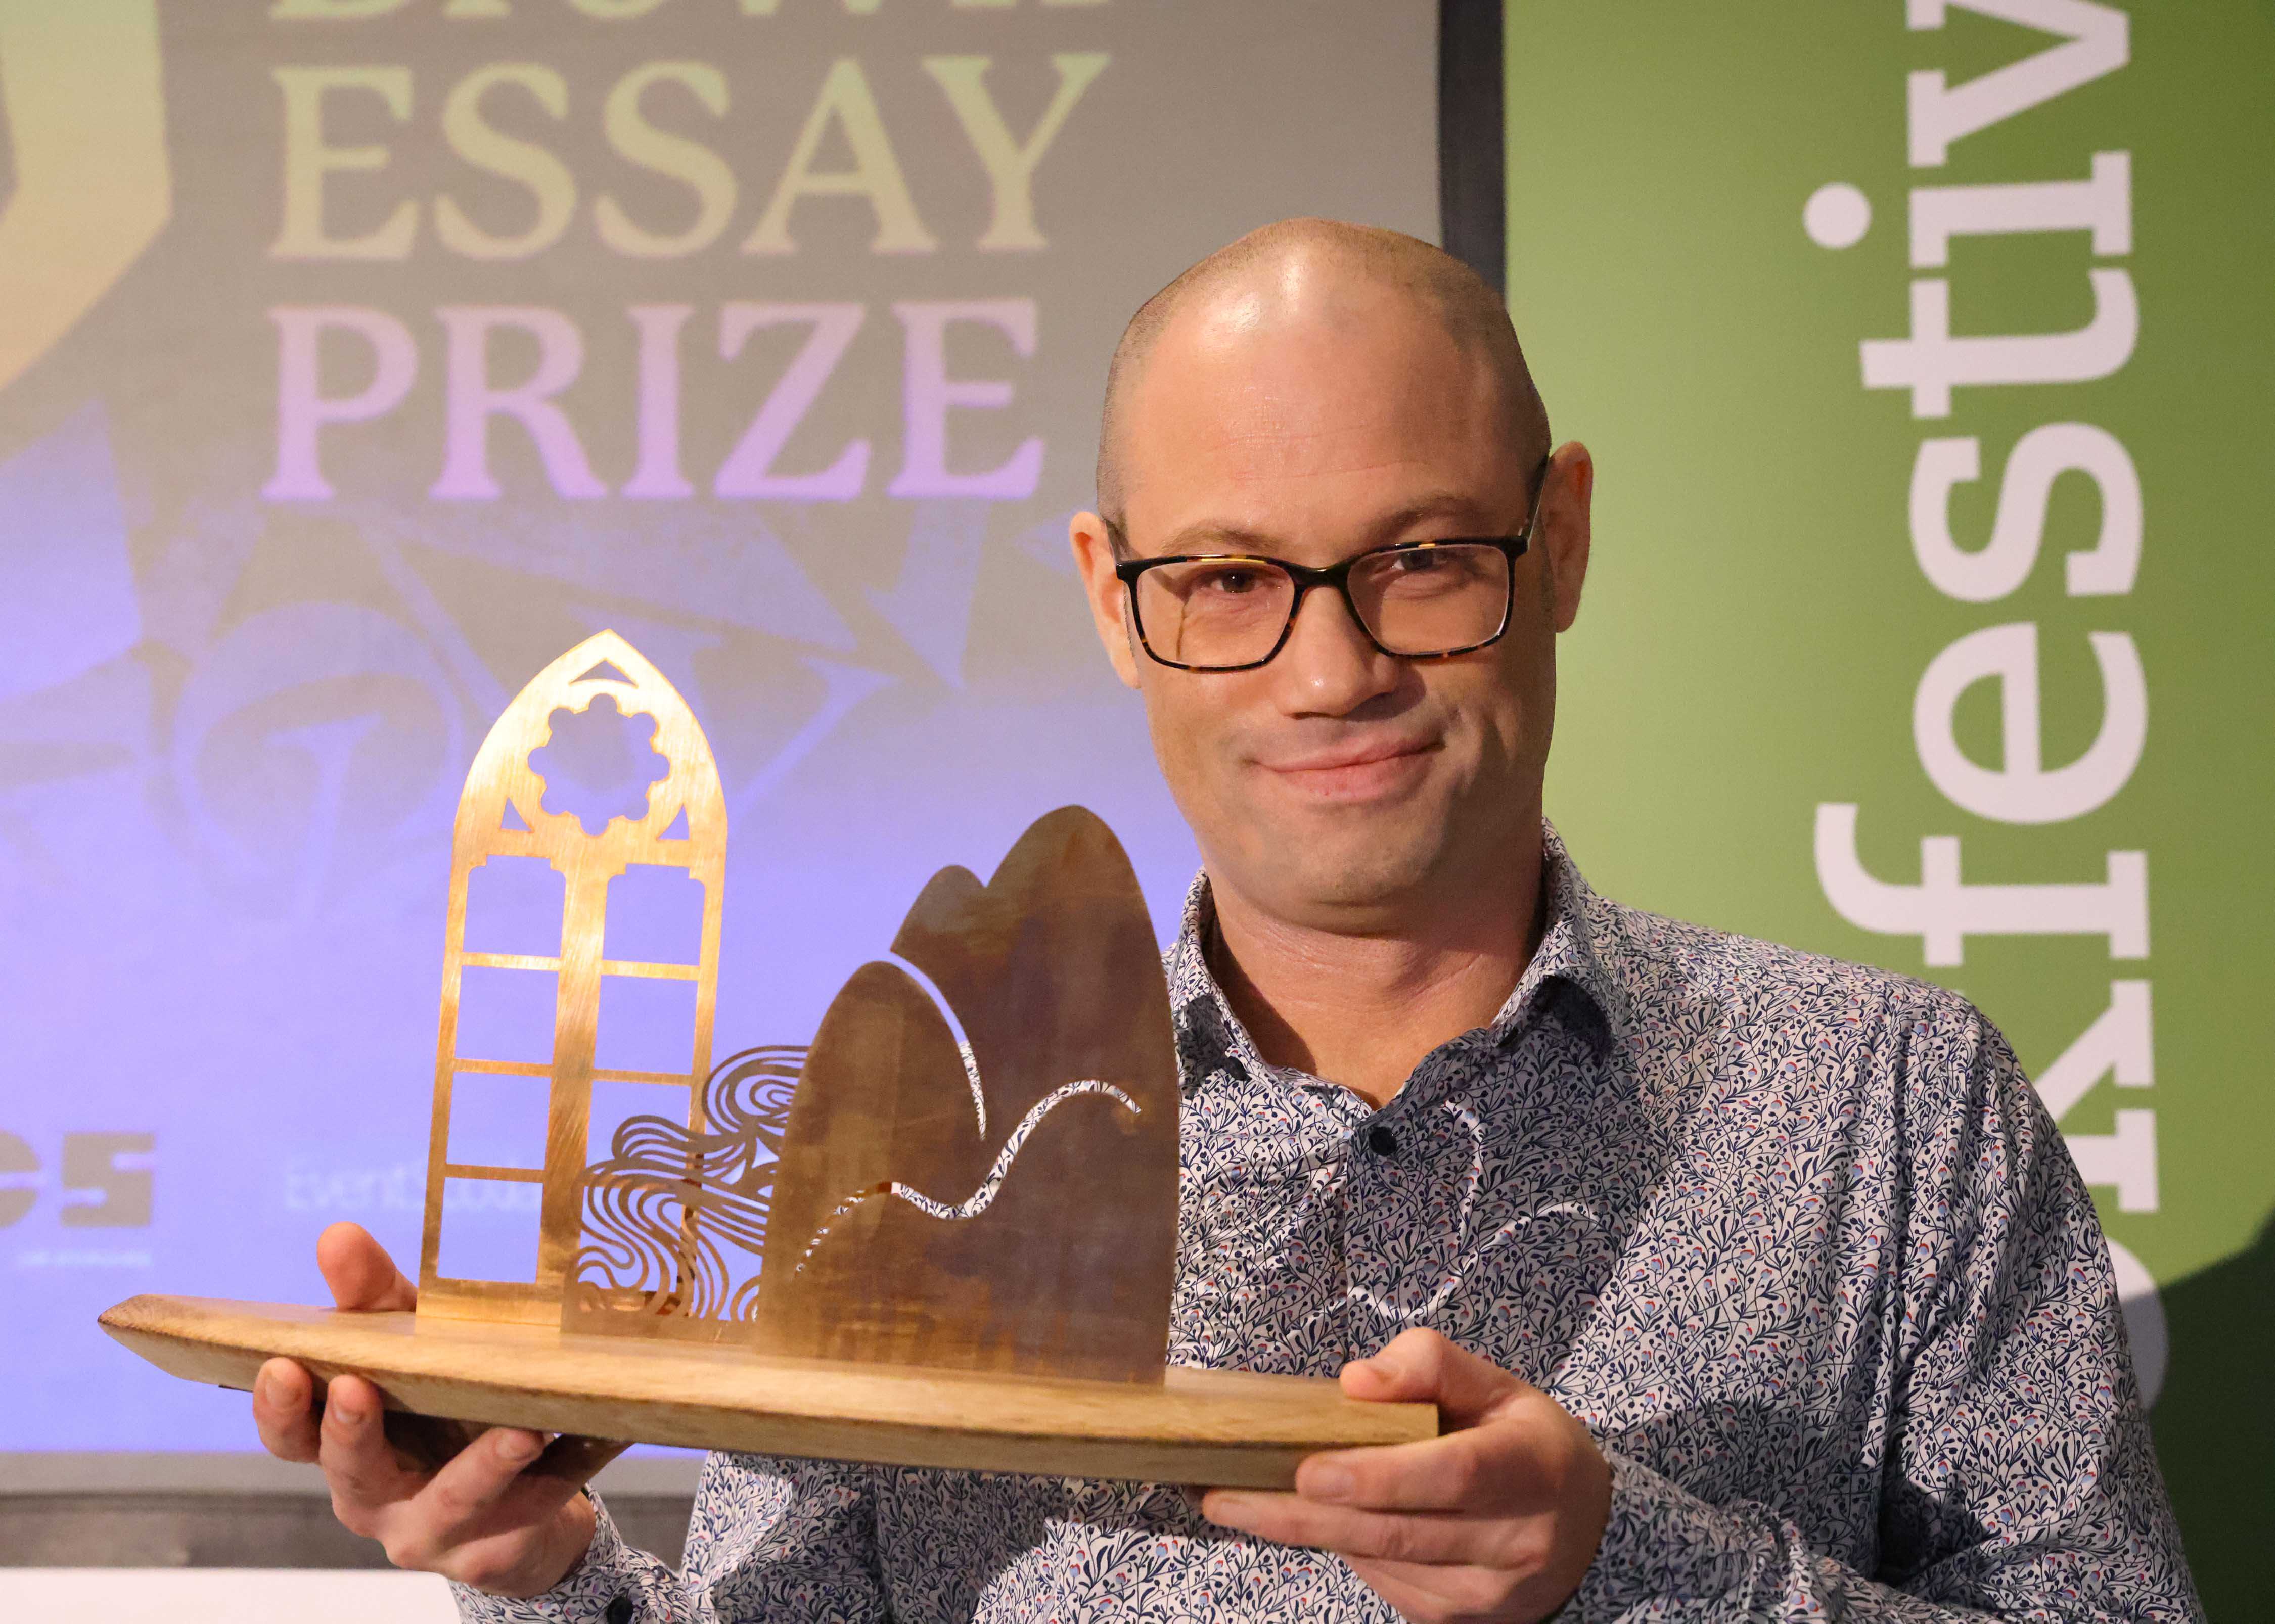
{"x": 675, "y": 1219}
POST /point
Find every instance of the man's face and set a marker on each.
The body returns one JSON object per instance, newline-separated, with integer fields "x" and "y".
{"x": 1338, "y": 787}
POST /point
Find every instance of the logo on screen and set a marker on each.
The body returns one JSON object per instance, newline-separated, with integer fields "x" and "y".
{"x": 105, "y": 1183}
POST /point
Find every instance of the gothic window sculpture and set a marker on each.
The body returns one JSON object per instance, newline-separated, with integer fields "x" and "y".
{"x": 943, "y": 1235}
{"x": 503, "y": 813}
{"x": 916, "y": 1186}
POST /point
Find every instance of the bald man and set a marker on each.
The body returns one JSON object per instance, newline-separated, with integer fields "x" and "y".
{"x": 1749, "y": 1285}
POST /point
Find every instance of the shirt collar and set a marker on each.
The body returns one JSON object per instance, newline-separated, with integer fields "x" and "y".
{"x": 1581, "y": 949}
{"x": 1584, "y": 947}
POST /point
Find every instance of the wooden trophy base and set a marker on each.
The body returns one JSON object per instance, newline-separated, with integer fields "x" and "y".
{"x": 1227, "y": 1428}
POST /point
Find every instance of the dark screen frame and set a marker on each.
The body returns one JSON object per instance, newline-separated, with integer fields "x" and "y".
{"x": 1472, "y": 181}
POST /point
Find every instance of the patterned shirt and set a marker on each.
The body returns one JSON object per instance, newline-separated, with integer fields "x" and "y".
{"x": 1794, "y": 1238}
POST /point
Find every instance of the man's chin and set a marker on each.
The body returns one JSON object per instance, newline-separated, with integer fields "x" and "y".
{"x": 1333, "y": 858}
{"x": 1336, "y": 874}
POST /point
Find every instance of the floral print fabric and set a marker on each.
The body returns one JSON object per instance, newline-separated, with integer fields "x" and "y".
{"x": 1792, "y": 1237}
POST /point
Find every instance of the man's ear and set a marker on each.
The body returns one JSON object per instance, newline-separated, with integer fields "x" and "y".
{"x": 1093, "y": 556}
{"x": 1561, "y": 531}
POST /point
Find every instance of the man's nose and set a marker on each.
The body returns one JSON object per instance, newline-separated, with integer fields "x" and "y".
{"x": 1330, "y": 666}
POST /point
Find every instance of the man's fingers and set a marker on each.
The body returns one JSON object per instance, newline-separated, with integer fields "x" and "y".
{"x": 1421, "y": 1366}
{"x": 1351, "y": 1531}
{"x": 1481, "y": 1470}
{"x": 359, "y": 1272}
{"x": 1429, "y": 1594}
{"x": 486, "y": 1475}
{"x": 359, "y": 1463}
{"x": 575, "y": 1460}
{"x": 425, "y": 1443}
{"x": 282, "y": 1413}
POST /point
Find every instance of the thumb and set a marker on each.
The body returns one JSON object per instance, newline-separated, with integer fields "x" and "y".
{"x": 1423, "y": 1367}
{"x": 359, "y": 1272}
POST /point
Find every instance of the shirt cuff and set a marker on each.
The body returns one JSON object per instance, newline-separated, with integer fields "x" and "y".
{"x": 612, "y": 1584}
{"x": 1662, "y": 1541}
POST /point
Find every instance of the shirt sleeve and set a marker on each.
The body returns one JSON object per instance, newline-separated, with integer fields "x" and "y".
{"x": 769, "y": 1540}
{"x": 2020, "y": 1481}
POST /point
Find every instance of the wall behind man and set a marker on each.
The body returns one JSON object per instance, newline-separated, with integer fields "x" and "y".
{"x": 359, "y": 357}
{"x": 1881, "y": 622}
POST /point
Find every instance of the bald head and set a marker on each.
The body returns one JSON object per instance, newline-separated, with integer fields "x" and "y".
{"x": 1301, "y": 274}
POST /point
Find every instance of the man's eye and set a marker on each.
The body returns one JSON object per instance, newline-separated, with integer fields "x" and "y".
{"x": 1232, "y": 580}
{"x": 1434, "y": 566}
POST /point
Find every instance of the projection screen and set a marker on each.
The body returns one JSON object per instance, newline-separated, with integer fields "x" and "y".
{"x": 363, "y": 356}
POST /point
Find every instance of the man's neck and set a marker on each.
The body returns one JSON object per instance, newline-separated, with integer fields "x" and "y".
{"x": 1363, "y": 1010}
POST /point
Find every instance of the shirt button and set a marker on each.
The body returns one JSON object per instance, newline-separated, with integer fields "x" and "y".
{"x": 1381, "y": 1141}
{"x": 620, "y": 1610}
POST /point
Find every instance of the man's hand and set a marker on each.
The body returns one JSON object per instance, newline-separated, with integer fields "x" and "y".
{"x": 502, "y": 1513}
{"x": 1497, "y": 1520}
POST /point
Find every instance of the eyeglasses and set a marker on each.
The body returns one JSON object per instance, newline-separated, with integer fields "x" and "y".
{"x": 1415, "y": 600}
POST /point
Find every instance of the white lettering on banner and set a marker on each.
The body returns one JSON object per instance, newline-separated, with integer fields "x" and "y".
{"x": 928, "y": 393}
{"x": 311, "y": 1188}
{"x": 471, "y": 400}
{"x": 845, "y": 116}
{"x": 691, "y": 164}
{"x": 615, "y": 10}
{"x": 767, "y": 8}
{"x": 337, "y": 205}
{"x": 2020, "y": 790}
{"x": 2093, "y": 40}
{"x": 536, "y": 170}
{"x": 658, "y": 477}
{"x": 2119, "y": 1042}
{"x": 1932, "y": 362}
{"x": 2103, "y": 206}
{"x": 1942, "y": 912}
{"x": 1011, "y": 164}
{"x": 334, "y": 10}
{"x": 749, "y": 470}
{"x": 2039, "y": 457}
{"x": 847, "y": 102}
{"x": 2126, "y": 1158}
{"x": 309, "y": 158}
{"x": 302, "y": 408}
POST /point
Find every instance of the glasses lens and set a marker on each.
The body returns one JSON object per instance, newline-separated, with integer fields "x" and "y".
{"x": 1210, "y": 613}
{"x": 1432, "y": 599}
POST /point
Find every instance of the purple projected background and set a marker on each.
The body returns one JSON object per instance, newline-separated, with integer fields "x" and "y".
{"x": 356, "y": 368}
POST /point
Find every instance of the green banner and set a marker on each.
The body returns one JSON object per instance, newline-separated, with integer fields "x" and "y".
{"x": 1928, "y": 355}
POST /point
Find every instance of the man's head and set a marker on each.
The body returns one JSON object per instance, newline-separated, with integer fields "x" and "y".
{"x": 1312, "y": 391}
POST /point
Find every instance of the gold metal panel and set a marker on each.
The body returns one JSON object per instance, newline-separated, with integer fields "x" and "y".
{"x": 503, "y": 779}
{"x": 1020, "y": 1218}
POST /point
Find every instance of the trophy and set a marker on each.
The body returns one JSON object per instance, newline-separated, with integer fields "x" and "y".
{"x": 895, "y": 1245}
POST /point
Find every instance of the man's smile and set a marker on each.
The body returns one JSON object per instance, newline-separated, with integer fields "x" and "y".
{"x": 1356, "y": 769}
